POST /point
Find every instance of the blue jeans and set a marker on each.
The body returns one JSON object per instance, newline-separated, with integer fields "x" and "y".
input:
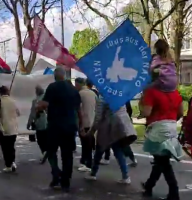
{"x": 119, "y": 155}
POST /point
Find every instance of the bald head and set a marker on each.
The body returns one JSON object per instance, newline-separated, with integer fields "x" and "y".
{"x": 59, "y": 74}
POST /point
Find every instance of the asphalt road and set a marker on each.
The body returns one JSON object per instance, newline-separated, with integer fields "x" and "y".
{"x": 31, "y": 180}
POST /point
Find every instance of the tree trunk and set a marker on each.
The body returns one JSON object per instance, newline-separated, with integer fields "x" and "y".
{"x": 178, "y": 35}
{"x": 109, "y": 24}
{"x": 21, "y": 62}
{"x": 31, "y": 62}
{"x": 147, "y": 35}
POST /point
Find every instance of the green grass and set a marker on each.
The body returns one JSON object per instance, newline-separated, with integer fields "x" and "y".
{"x": 141, "y": 131}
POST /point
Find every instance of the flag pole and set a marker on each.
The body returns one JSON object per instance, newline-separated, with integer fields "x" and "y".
{"x": 17, "y": 64}
{"x": 62, "y": 24}
{"x": 67, "y": 72}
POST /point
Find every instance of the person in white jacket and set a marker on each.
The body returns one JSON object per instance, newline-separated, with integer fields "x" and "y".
{"x": 8, "y": 128}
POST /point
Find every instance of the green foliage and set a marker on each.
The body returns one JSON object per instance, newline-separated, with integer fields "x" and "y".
{"x": 84, "y": 41}
{"x": 135, "y": 108}
{"x": 186, "y": 92}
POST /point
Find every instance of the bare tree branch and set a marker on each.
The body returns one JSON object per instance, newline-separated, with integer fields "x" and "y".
{"x": 26, "y": 9}
{"x": 168, "y": 14}
{"x": 8, "y": 5}
{"x": 131, "y": 13}
{"x": 189, "y": 8}
{"x": 82, "y": 14}
{"x": 145, "y": 6}
{"x": 102, "y": 15}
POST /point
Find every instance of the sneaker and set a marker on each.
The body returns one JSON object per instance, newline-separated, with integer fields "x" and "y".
{"x": 7, "y": 169}
{"x": 14, "y": 167}
{"x": 104, "y": 162}
{"x": 84, "y": 169}
{"x": 90, "y": 177}
{"x": 133, "y": 163}
{"x": 81, "y": 165}
{"x": 125, "y": 181}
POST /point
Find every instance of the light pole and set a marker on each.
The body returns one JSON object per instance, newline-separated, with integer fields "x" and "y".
{"x": 4, "y": 46}
{"x": 62, "y": 24}
{"x": 68, "y": 72}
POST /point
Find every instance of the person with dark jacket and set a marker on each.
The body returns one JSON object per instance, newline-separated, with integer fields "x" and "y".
{"x": 62, "y": 101}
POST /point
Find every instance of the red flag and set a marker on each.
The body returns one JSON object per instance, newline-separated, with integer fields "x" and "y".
{"x": 4, "y": 68}
{"x": 41, "y": 41}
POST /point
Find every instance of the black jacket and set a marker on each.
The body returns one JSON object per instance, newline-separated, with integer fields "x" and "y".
{"x": 129, "y": 109}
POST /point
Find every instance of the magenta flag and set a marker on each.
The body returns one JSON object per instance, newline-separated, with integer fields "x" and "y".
{"x": 4, "y": 68}
{"x": 41, "y": 41}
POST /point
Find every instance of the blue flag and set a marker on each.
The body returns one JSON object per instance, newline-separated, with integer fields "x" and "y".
{"x": 119, "y": 65}
{"x": 48, "y": 71}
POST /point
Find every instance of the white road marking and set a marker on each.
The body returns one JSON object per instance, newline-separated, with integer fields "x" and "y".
{"x": 187, "y": 170}
{"x": 151, "y": 157}
{"x": 31, "y": 160}
{"x": 57, "y": 196}
{"x": 185, "y": 190}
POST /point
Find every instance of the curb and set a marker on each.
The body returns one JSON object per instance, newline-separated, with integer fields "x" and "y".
{"x": 139, "y": 142}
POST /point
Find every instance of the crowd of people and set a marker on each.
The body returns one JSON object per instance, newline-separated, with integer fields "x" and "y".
{"x": 65, "y": 110}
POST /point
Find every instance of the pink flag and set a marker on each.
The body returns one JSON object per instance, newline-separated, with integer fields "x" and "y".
{"x": 41, "y": 41}
{"x": 4, "y": 68}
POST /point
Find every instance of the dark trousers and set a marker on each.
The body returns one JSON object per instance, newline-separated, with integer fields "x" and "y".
{"x": 32, "y": 138}
{"x": 129, "y": 153}
{"x": 162, "y": 165}
{"x": 107, "y": 154}
{"x": 87, "y": 143}
{"x": 64, "y": 140}
{"x": 41, "y": 136}
{"x": 8, "y": 148}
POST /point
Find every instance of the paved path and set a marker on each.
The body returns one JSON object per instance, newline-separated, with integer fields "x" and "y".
{"x": 31, "y": 180}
